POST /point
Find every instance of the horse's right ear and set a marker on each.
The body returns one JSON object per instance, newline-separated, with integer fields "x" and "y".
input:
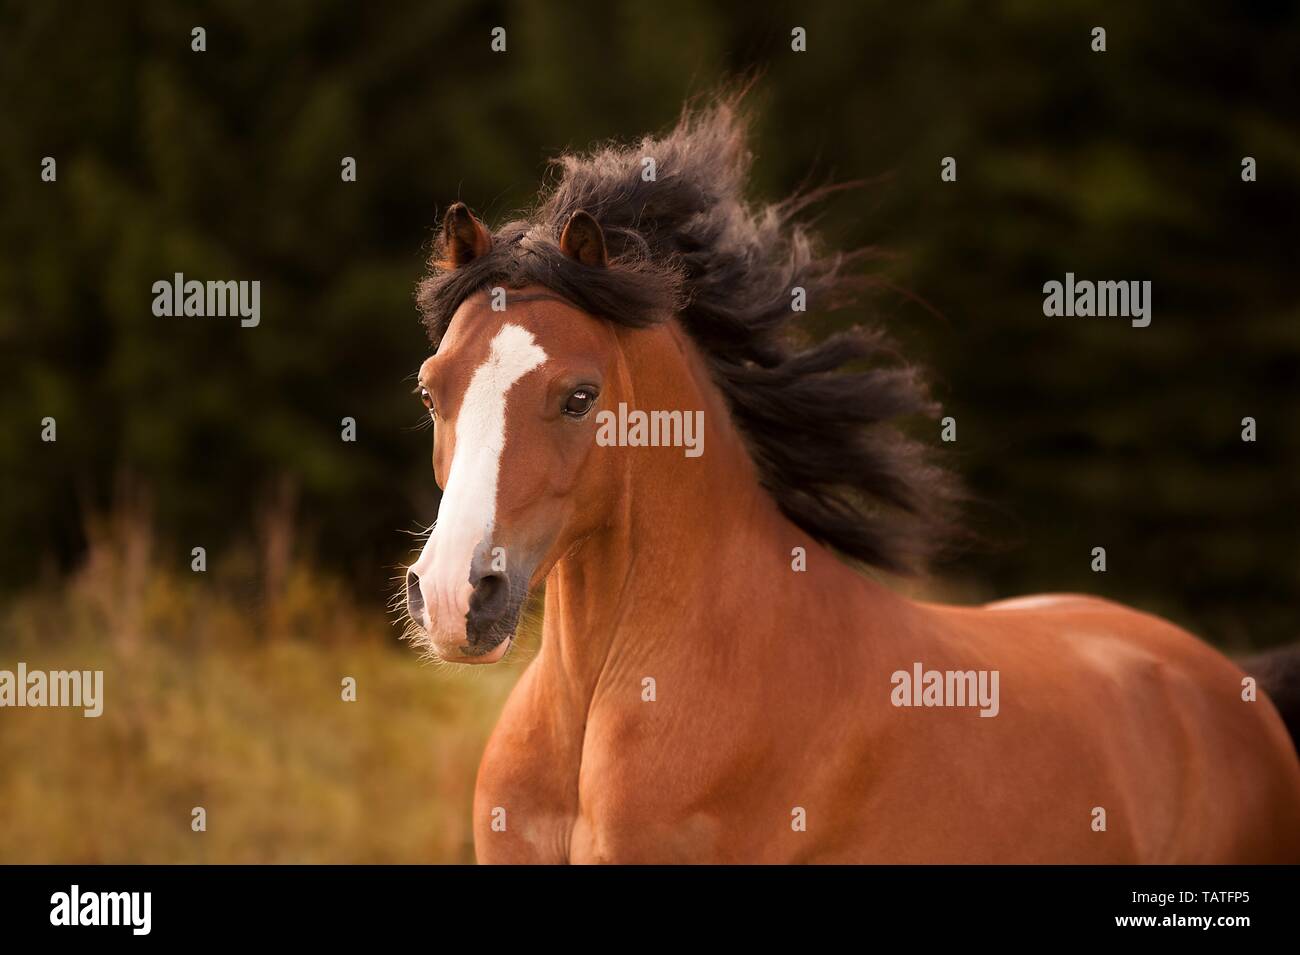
{"x": 463, "y": 238}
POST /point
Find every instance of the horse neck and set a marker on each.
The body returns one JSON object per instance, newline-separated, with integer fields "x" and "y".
{"x": 696, "y": 560}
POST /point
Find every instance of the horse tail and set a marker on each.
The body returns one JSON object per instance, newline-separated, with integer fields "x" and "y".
{"x": 1278, "y": 674}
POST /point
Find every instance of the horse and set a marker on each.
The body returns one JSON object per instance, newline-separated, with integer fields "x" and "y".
{"x": 725, "y": 674}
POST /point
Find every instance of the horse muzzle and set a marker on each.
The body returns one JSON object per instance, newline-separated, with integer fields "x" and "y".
{"x": 476, "y": 623}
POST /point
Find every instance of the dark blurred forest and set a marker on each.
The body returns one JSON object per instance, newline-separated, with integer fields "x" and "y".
{"x": 1072, "y": 433}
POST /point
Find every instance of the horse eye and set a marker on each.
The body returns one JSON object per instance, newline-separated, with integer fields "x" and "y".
{"x": 579, "y": 403}
{"x": 426, "y": 399}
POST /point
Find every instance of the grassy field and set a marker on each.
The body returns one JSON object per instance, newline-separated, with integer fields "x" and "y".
{"x": 224, "y": 692}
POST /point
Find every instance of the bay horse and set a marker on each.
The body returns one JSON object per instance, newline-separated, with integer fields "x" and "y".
{"x": 720, "y": 678}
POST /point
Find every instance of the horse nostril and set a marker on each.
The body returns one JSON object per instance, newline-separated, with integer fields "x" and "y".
{"x": 414, "y": 599}
{"x": 490, "y": 596}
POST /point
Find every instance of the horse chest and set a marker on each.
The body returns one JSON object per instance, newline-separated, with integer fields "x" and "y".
{"x": 551, "y": 792}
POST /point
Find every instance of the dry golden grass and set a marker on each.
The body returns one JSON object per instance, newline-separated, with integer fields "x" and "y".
{"x": 234, "y": 703}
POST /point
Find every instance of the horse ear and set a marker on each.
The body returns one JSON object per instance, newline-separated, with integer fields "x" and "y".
{"x": 584, "y": 240}
{"x": 464, "y": 238}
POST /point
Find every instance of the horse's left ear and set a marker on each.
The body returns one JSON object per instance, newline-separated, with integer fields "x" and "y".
{"x": 584, "y": 240}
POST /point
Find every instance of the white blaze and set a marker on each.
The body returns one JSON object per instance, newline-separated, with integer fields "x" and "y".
{"x": 469, "y": 501}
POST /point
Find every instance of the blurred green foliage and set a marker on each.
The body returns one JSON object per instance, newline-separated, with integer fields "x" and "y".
{"x": 1073, "y": 433}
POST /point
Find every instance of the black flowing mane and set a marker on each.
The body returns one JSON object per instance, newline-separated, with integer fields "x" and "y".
{"x": 688, "y": 244}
